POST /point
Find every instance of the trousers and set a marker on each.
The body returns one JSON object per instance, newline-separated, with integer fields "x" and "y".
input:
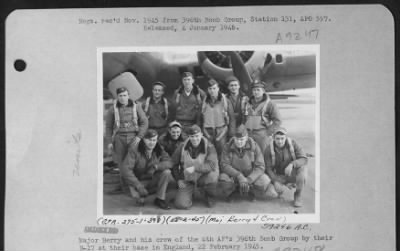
{"x": 207, "y": 182}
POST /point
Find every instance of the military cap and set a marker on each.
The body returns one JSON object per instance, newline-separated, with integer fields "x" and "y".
{"x": 150, "y": 133}
{"x": 230, "y": 79}
{"x": 280, "y": 130}
{"x": 160, "y": 84}
{"x": 241, "y": 131}
{"x": 194, "y": 129}
{"x": 211, "y": 82}
{"x": 258, "y": 84}
{"x": 121, "y": 90}
{"x": 187, "y": 74}
{"x": 175, "y": 123}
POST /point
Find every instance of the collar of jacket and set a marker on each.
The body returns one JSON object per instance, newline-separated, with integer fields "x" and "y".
{"x": 195, "y": 89}
{"x": 153, "y": 102}
{"x": 130, "y": 103}
{"x": 233, "y": 147}
{"x": 208, "y": 98}
{"x": 240, "y": 94}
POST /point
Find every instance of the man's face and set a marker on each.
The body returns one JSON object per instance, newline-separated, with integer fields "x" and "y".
{"x": 195, "y": 139}
{"x": 150, "y": 142}
{"x": 234, "y": 87}
{"x": 280, "y": 140}
{"x": 175, "y": 132}
{"x": 258, "y": 92}
{"x": 213, "y": 91}
{"x": 158, "y": 91}
{"x": 123, "y": 97}
{"x": 188, "y": 82}
{"x": 240, "y": 142}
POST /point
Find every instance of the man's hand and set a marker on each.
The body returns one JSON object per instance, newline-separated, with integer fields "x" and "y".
{"x": 189, "y": 170}
{"x": 244, "y": 186}
{"x": 181, "y": 184}
{"x": 110, "y": 148}
{"x": 152, "y": 169}
{"x": 142, "y": 191}
{"x": 205, "y": 134}
{"x": 278, "y": 187}
{"x": 136, "y": 141}
{"x": 189, "y": 173}
{"x": 288, "y": 169}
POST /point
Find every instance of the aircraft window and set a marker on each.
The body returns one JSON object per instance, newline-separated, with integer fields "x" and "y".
{"x": 279, "y": 58}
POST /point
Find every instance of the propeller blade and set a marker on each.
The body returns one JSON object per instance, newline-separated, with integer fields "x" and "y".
{"x": 240, "y": 71}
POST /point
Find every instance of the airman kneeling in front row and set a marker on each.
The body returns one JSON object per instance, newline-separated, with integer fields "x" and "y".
{"x": 146, "y": 169}
{"x": 242, "y": 167}
{"x": 195, "y": 165}
{"x": 285, "y": 163}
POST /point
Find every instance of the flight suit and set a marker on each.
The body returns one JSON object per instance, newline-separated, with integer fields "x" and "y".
{"x": 130, "y": 126}
{"x": 158, "y": 114}
{"x": 290, "y": 153}
{"x": 188, "y": 107}
{"x": 204, "y": 159}
{"x": 261, "y": 119}
{"x": 238, "y": 106}
{"x": 135, "y": 171}
{"x": 247, "y": 162}
{"x": 218, "y": 121}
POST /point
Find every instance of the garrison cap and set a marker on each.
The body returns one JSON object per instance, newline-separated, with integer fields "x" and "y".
{"x": 241, "y": 132}
{"x": 187, "y": 74}
{"x": 175, "y": 123}
{"x": 211, "y": 82}
{"x": 150, "y": 133}
{"x": 121, "y": 90}
{"x": 230, "y": 79}
{"x": 160, "y": 84}
{"x": 258, "y": 84}
{"x": 194, "y": 129}
{"x": 280, "y": 130}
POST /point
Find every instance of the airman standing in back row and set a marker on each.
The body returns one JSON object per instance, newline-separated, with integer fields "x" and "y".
{"x": 157, "y": 108}
{"x": 285, "y": 164}
{"x": 236, "y": 99}
{"x": 261, "y": 116}
{"x": 188, "y": 99}
{"x": 126, "y": 124}
{"x": 218, "y": 117}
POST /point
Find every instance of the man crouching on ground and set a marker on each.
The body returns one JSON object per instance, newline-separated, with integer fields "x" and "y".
{"x": 242, "y": 167}
{"x": 285, "y": 163}
{"x": 195, "y": 163}
{"x": 146, "y": 169}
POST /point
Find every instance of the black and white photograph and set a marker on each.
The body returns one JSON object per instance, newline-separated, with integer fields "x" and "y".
{"x": 222, "y": 130}
{"x": 254, "y": 127}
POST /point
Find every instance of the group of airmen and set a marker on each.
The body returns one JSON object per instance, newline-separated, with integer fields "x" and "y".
{"x": 207, "y": 142}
